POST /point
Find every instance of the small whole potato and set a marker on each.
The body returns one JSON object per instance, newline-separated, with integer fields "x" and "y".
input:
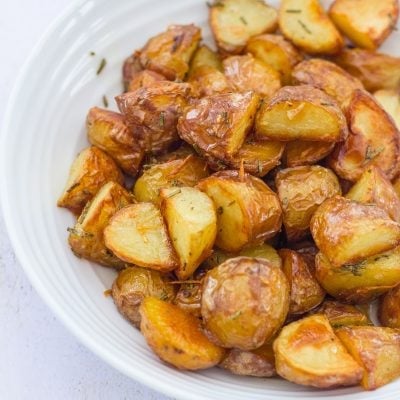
{"x": 244, "y": 302}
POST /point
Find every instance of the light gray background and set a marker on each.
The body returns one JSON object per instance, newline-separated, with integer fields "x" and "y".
{"x": 39, "y": 358}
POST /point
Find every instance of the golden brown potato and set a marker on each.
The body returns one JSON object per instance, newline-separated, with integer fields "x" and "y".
{"x": 364, "y": 147}
{"x": 137, "y": 234}
{"x": 133, "y": 284}
{"x": 188, "y": 298}
{"x": 175, "y": 173}
{"x": 374, "y": 187}
{"x": 301, "y": 191}
{"x": 347, "y": 232}
{"x": 389, "y": 309}
{"x": 248, "y": 211}
{"x": 169, "y": 52}
{"x": 152, "y": 113}
{"x": 205, "y": 57}
{"x": 248, "y": 73}
{"x": 366, "y": 23}
{"x": 130, "y": 68}
{"x": 107, "y": 130}
{"x": 218, "y": 124}
{"x": 234, "y": 22}
{"x": 305, "y": 291}
{"x": 86, "y": 237}
{"x": 307, "y": 352}
{"x": 180, "y": 153}
{"x": 244, "y": 302}
{"x": 144, "y": 78}
{"x": 389, "y": 99}
{"x": 300, "y": 152}
{"x": 376, "y": 349}
{"x": 176, "y": 336}
{"x": 275, "y": 51}
{"x": 305, "y": 23}
{"x": 207, "y": 81}
{"x": 91, "y": 169}
{"x": 301, "y": 112}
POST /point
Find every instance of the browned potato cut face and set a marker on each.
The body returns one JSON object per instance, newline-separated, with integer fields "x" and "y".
{"x": 176, "y": 336}
{"x": 376, "y": 349}
{"x": 205, "y": 57}
{"x": 88, "y": 173}
{"x": 244, "y": 302}
{"x": 144, "y": 78}
{"x": 133, "y": 284}
{"x": 169, "y": 52}
{"x": 306, "y": 25}
{"x": 248, "y": 211}
{"x": 207, "y": 81}
{"x": 389, "y": 99}
{"x": 301, "y": 152}
{"x": 307, "y": 352}
{"x": 373, "y": 140}
{"x": 234, "y": 22}
{"x": 366, "y": 23}
{"x": 152, "y": 113}
{"x": 301, "y": 112}
{"x": 301, "y": 191}
{"x": 248, "y": 73}
{"x": 347, "y": 232}
{"x": 130, "y": 68}
{"x": 137, "y": 235}
{"x": 86, "y": 237}
{"x": 389, "y": 310}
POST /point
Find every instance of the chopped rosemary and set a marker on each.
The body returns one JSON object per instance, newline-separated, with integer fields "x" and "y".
{"x": 236, "y": 315}
{"x": 371, "y": 153}
{"x": 354, "y": 269}
{"x": 102, "y": 65}
{"x": 304, "y": 26}
{"x": 92, "y": 53}
{"x": 174, "y": 193}
{"x": 105, "y": 101}
{"x": 177, "y": 42}
{"x": 220, "y": 210}
{"x": 243, "y": 20}
{"x": 162, "y": 119}
{"x": 293, "y": 11}
{"x": 164, "y": 295}
{"x": 215, "y": 4}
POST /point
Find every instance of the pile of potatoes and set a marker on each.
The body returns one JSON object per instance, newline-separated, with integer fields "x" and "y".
{"x": 264, "y": 215}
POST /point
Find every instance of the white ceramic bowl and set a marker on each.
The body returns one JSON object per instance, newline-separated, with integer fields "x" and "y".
{"x": 43, "y": 131}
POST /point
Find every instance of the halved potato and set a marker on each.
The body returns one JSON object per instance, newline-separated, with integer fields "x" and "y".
{"x": 301, "y": 152}
{"x": 307, "y": 352}
{"x": 205, "y": 57}
{"x": 86, "y": 237}
{"x": 366, "y": 23}
{"x": 301, "y": 112}
{"x": 376, "y": 349}
{"x": 130, "y": 68}
{"x": 305, "y": 23}
{"x": 88, "y": 173}
{"x": 137, "y": 234}
{"x": 233, "y": 22}
{"x": 389, "y": 309}
{"x": 389, "y": 99}
{"x": 207, "y": 81}
{"x": 248, "y": 211}
{"x": 144, "y": 78}
{"x": 176, "y": 336}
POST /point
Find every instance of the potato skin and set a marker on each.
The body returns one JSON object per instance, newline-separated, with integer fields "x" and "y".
{"x": 130, "y": 68}
{"x": 205, "y": 57}
{"x": 144, "y": 78}
{"x": 244, "y": 302}
{"x": 389, "y": 308}
{"x": 207, "y": 81}
{"x": 301, "y": 152}
{"x": 176, "y": 336}
{"x": 389, "y": 99}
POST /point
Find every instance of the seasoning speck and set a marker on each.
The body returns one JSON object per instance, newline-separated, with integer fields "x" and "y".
{"x": 102, "y": 64}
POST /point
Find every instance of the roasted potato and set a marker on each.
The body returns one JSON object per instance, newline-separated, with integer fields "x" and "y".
{"x": 176, "y": 336}
{"x": 207, "y": 81}
{"x": 301, "y": 112}
{"x": 364, "y": 147}
{"x": 389, "y": 308}
{"x": 169, "y": 52}
{"x": 374, "y": 187}
{"x": 205, "y": 57}
{"x": 175, "y": 173}
{"x": 248, "y": 211}
{"x": 376, "y": 349}
{"x": 300, "y": 152}
{"x": 192, "y": 225}
{"x": 248, "y": 73}
{"x": 307, "y": 352}
{"x": 275, "y": 51}
{"x": 301, "y": 191}
{"x": 133, "y": 284}
{"x": 144, "y": 78}
{"x": 86, "y": 237}
{"x": 91, "y": 169}
{"x": 130, "y": 68}
{"x": 366, "y": 23}
{"x": 244, "y": 302}
{"x": 305, "y": 23}
{"x": 188, "y": 298}
{"x": 152, "y": 113}
{"x": 234, "y": 22}
{"x": 347, "y": 232}
{"x": 389, "y": 99}
{"x": 137, "y": 234}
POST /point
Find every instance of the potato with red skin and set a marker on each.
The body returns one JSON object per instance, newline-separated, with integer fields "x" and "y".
{"x": 301, "y": 152}
{"x": 207, "y": 81}
{"x": 144, "y": 78}
{"x": 389, "y": 308}
{"x": 130, "y": 68}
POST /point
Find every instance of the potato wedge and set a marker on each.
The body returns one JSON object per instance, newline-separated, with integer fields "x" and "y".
{"x": 306, "y": 25}
{"x": 366, "y": 23}
{"x": 389, "y": 308}
{"x": 133, "y": 284}
{"x": 130, "y": 68}
{"x": 301, "y": 152}
{"x": 144, "y": 78}
{"x": 207, "y": 81}
{"x": 307, "y": 352}
{"x": 91, "y": 169}
{"x": 248, "y": 211}
{"x": 389, "y": 99}
{"x": 86, "y": 237}
{"x": 364, "y": 146}
{"x": 169, "y": 52}
{"x": 301, "y": 191}
{"x": 176, "y": 336}
{"x": 301, "y": 112}
{"x": 205, "y": 57}
{"x": 137, "y": 234}
{"x": 244, "y": 302}
{"x": 234, "y": 22}
{"x": 376, "y": 349}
